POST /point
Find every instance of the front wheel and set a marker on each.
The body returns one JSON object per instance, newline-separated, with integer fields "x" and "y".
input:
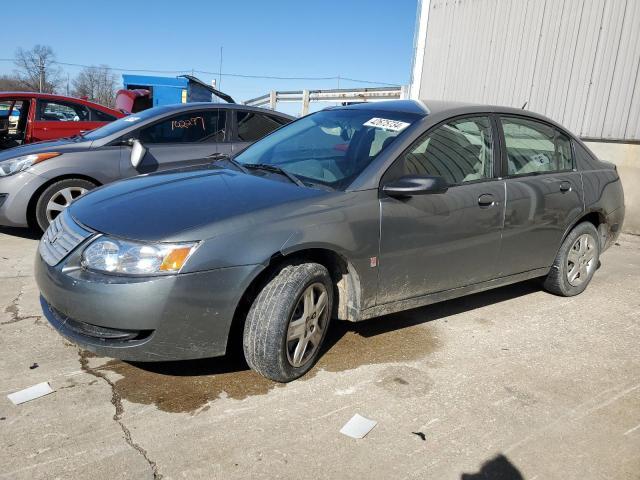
{"x": 576, "y": 262}
{"x": 58, "y": 196}
{"x": 288, "y": 322}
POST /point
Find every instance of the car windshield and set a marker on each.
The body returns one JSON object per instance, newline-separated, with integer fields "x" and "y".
{"x": 330, "y": 147}
{"x": 122, "y": 123}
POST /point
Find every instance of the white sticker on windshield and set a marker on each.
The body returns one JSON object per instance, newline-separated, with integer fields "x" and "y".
{"x": 131, "y": 119}
{"x": 386, "y": 124}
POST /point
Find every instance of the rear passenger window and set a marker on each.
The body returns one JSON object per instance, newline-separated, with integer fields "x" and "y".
{"x": 207, "y": 126}
{"x": 460, "y": 151}
{"x": 100, "y": 116}
{"x": 534, "y": 147}
{"x": 253, "y": 126}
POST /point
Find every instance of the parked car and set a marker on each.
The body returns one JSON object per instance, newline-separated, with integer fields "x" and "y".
{"x": 39, "y": 181}
{"x": 348, "y": 213}
{"x": 34, "y": 117}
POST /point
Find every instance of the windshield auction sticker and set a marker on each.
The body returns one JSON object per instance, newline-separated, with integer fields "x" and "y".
{"x": 386, "y": 124}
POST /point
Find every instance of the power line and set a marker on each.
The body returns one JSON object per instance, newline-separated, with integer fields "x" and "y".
{"x": 221, "y": 74}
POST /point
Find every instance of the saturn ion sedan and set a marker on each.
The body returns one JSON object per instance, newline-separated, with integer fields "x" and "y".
{"x": 346, "y": 214}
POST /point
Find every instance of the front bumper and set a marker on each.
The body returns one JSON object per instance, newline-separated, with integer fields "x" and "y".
{"x": 18, "y": 190}
{"x": 178, "y": 317}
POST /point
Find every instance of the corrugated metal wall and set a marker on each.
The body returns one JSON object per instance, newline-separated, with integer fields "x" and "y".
{"x": 576, "y": 61}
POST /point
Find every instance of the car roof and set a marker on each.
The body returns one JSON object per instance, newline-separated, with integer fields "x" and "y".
{"x": 229, "y": 106}
{"x": 444, "y": 108}
{"x": 53, "y": 96}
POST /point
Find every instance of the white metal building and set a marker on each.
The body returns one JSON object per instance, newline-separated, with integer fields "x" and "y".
{"x": 576, "y": 61}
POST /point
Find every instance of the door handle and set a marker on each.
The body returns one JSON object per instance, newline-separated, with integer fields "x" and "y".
{"x": 565, "y": 186}
{"x": 486, "y": 200}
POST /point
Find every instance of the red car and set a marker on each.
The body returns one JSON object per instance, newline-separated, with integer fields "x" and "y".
{"x": 27, "y": 117}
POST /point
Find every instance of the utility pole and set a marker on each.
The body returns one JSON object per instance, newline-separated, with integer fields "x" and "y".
{"x": 220, "y": 70}
{"x": 67, "y": 84}
{"x": 41, "y": 69}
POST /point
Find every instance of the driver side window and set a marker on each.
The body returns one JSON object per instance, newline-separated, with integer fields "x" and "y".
{"x": 460, "y": 151}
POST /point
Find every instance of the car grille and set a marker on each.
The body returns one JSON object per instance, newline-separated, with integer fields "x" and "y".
{"x": 62, "y": 236}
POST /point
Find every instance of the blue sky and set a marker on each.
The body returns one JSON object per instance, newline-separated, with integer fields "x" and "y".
{"x": 370, "y": 40}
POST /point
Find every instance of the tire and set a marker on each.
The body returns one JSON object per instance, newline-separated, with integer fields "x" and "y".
{"x": 576, "y": 262}
{"x": 56, "y": 197}
{"x": 271, "y": 344}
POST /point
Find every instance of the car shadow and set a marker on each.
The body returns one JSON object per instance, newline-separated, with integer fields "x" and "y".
{"x": 27, "y": 233}
{"x": 349, "y": 345}
{"x": 498, "y": 468}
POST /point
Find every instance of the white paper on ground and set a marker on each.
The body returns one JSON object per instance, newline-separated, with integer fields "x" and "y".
{"x": 358, "y": 426}
{"x": 31, "y": 393}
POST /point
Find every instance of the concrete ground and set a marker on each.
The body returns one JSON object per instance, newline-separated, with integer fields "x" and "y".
{"x": 508, "y": 384}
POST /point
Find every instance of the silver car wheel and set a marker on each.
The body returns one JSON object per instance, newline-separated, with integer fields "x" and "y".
{"x": 307, "y": 325}
{"x": 61, "y": 200}
{"x": 581, "y": 260}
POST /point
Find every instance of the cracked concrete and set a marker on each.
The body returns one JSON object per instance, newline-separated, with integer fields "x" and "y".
{"x": 116, "y": 401}
{"x": 13, "y": 309}
{"x": 513, "y": 381}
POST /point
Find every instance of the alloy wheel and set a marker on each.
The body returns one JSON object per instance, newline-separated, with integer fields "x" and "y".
{"x": 581, "y": 259}
{"x": 307, "y": 325}
{"x": 61, "y": 200}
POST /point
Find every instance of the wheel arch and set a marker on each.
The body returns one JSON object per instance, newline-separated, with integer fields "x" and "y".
{"x": 594, "y": 216}
{"x": 31, "y": 206}
{"x": 346, "y": 284}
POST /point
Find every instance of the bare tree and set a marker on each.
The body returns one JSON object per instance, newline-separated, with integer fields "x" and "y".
{"x": 36, "y": 70}
{"x": 96, "y": 83}
{"x": 10, "y": 83}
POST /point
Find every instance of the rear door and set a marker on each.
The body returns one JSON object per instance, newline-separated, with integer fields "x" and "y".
{"x": 179, "y": 140}
{"x": 544, "y": 193}
{"x": 58, "y": 119}
{"x": 436, "y": 242}
{"x": 251, "y": 126}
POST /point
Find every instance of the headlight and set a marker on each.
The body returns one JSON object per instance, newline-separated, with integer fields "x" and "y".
{"x": 123, "y": 257}
{"x": 18, "y": 164}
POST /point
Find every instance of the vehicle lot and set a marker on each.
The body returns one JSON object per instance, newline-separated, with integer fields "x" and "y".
{"x": 525, "y": 383}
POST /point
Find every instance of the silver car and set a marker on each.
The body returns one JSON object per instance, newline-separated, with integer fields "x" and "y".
{"x": 38, "y": 181}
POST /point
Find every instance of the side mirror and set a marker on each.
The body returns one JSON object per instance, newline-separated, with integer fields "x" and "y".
{"x": 137, "y": 153}
{"x": 411, "y": 185}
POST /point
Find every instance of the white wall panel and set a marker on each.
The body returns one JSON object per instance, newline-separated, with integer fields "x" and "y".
{"x": 576, "y": 61}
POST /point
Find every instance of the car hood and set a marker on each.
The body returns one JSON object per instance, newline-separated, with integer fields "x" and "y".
{"x": 61, "y": 145}
{"x": 183, "y": 204}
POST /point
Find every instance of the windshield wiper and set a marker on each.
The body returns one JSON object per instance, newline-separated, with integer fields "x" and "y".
{"x": 276, "y": 169}
{"x": 222, "y": 156}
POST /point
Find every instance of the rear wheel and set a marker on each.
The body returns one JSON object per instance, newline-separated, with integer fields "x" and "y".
{"x": 576, "y": 262}
{"x": 58, "y": 196}
{"x": 288, "y": 321}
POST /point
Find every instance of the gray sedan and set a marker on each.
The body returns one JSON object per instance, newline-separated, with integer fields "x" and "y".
{"x": 40, "y": 180}
{"x": 348, "y": 213}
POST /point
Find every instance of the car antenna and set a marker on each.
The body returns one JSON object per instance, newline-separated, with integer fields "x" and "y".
{"x": 524, "y": 104}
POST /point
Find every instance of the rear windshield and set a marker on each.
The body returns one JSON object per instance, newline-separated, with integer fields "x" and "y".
{"x": 331, "y": 147}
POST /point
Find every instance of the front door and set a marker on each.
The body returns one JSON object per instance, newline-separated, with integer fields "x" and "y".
{"x": 181, "y": 140}
{"x": 435, "y": 242}
{"x": 544, "y": 194}
{"x": 59, "y": 119}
